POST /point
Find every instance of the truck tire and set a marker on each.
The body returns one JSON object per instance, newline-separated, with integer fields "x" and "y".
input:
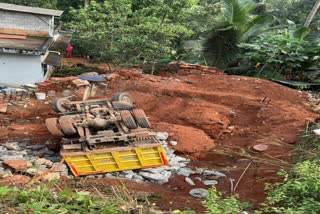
{"x": 128, "y": 120}
{"x": 66, "y": 124}
{"x": 58, "y": 104}
{"x": 52, "y": 125}
{"x": 120, "y": 105}
{"x": 122, "y": 96}
{"x": 141, "y": 118}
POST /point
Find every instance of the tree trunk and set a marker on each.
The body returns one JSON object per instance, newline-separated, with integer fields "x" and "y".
{"x": 86, "y": 3}
{"x": 312, "y": 13}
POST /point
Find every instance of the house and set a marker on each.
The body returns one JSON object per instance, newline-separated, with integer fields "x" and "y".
{"x": 28, "y": 43}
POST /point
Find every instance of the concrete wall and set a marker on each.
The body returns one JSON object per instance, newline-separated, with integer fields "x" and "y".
{"x": 20, "y": 69}
{"x": 25, "y": 21}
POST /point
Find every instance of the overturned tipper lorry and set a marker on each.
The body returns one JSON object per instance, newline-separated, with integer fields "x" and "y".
{"x": 105, "y": 135}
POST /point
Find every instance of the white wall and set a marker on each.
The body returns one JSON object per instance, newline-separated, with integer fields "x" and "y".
{"x": 25, "y": 21}
{"x": 20, "y": 69}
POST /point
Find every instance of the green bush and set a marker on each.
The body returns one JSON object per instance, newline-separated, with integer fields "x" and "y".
{"x": 215, "y": 204}
{"x": 280, "y": 55}
{"x": 299, "y": 193}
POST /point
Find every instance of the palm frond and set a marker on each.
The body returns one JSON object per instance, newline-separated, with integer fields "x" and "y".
{"x": 237, "y": 12}
{"x": 220, "y": 49}
{"x": 256, "y": 26}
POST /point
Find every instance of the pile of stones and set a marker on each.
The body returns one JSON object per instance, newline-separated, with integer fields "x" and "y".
{"x": 31, "y": 160}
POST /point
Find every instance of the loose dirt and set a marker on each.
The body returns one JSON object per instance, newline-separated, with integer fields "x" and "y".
{"x": 215, "y": 118}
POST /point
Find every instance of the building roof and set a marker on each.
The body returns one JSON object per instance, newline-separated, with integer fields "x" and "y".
{"x": 30, "y": 43}
{"x": 26, "y": 9}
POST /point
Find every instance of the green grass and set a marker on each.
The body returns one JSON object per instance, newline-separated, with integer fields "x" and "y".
{"x": 42, "y": 199}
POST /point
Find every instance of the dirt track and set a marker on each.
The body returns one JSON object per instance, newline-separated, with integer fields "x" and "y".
{"x": 215, "y": 118}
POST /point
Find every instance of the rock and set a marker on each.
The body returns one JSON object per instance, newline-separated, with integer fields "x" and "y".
{"x": 51, "y": 176}
{"x": 109, "y": 175}
{"x": 198, "y": 193}
{"x": 137, "y": 177}
{"x": 162, "y": 135}
{"x": 36, "y": 147}
{"x": 12, "y": 146}
{"x": 29, "y": 164}
{"x": 180, "y": 159}
{"x": 160, "y": 178}
{"x": 11, "y": 157}
{"x": 260, "y": 147}
{"x": 62, "y": 169}
{"x": 32, "y": 171}
{"x": 40, "y": 161}
{"x": 43, "y": 161}
{"x": 173, "y": 143}
{"x": 189, "y": 181}
{"x": 2, "y": 149}
{"x": 213, "y": 172}
{"x": 16, "y": 164}
{"x": 14, "y": 180}
{"x": 199, "y": 179}
{"x": 42, "y": 167}
{"x": 185, "y": 172}
{"x": 50, "y": 153}
{"x": 155, "y": 170}
{"x": 199, "y": 171}
{"x": 127, "y": 174}
{"x": 4, "y": 172}
{"x": 210, "y": 182}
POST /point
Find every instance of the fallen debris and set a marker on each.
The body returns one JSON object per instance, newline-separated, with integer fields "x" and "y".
{"x": 261, "y": 147}
{"x": 199, "y": 193}
{"x": 189, "y": 181}
{"x": 16, "y": 165}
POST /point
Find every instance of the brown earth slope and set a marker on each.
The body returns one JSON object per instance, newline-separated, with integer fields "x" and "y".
{"x": 215, "y": 118}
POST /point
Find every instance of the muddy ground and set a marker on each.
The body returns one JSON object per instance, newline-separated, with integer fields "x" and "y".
{"x": 215, "y": 118}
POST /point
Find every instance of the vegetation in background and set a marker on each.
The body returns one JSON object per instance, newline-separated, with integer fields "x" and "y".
{"x": 126, "y": 31}
{"x": 221, "y": 46}
{"x": 146, "y": 32}
{"x": 287, "y": 53}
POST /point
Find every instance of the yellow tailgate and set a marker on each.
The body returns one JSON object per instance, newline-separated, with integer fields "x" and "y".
{"x": 115, "y": 159}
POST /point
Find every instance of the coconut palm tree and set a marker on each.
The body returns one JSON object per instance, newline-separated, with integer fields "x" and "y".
{"x": 237, "y": 25}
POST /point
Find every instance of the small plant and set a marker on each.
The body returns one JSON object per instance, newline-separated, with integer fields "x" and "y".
{"x": 215, "y": 204}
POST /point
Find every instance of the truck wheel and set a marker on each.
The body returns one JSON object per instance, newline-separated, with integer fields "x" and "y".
{"x": 128, "y": 120}
{"x": 141, "y": 118}
{"x": 52, "y": 126}
{"x": 66, "y": 123}
{"x": 120, "y": 105}
{"x": 122, "y": 96}
{"x": 58, "y": 104}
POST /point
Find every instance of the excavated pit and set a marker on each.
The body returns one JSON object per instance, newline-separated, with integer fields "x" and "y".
{"x": 216, "y": 119}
